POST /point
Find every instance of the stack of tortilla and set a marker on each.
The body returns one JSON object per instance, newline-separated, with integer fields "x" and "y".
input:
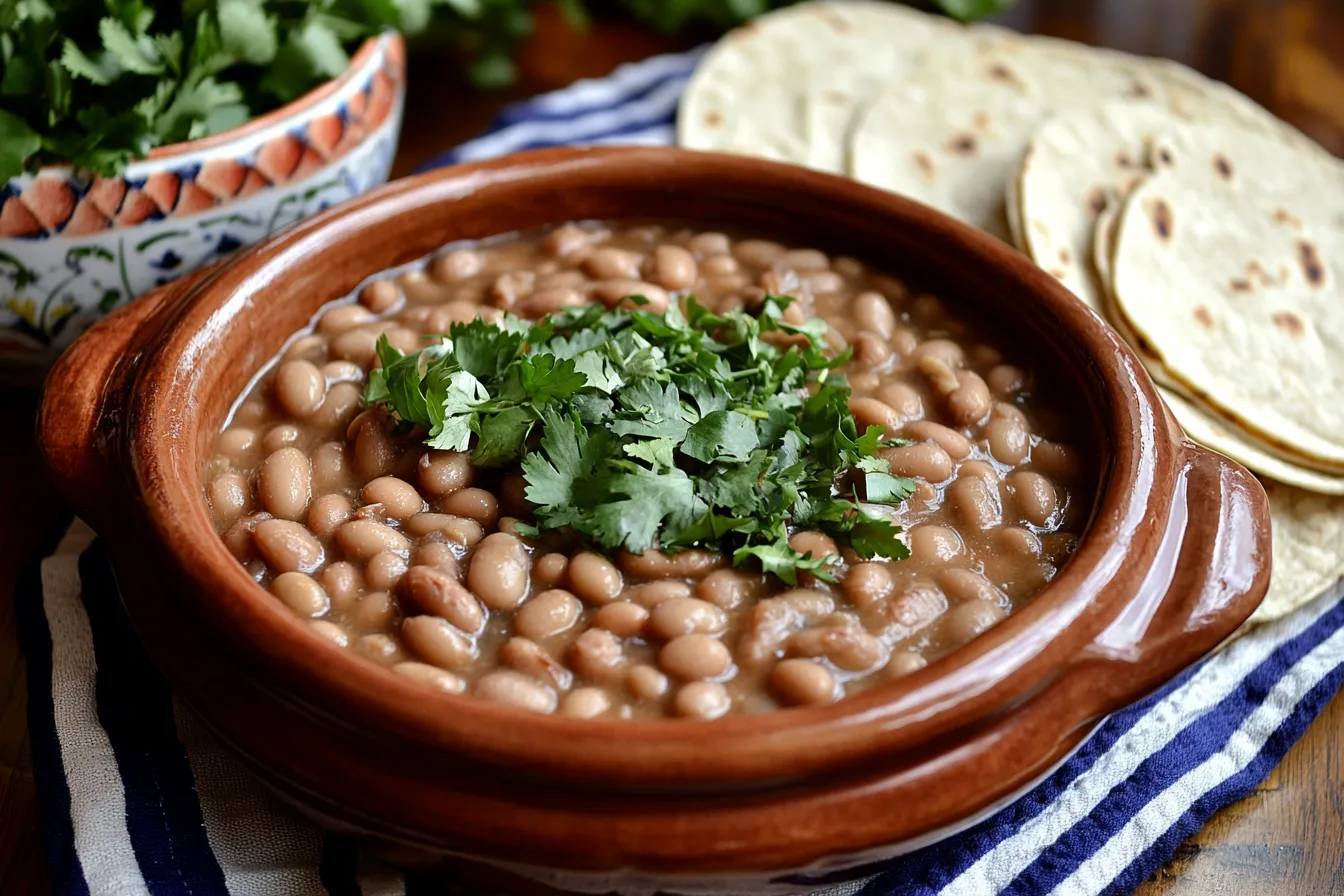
{"x": 1208, "y": 232}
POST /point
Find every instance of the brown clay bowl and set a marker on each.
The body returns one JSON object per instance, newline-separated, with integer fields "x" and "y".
{"x": 1176, "y": 556}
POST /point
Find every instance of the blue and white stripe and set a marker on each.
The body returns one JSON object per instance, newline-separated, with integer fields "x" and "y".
{"x": 136, "y": 798}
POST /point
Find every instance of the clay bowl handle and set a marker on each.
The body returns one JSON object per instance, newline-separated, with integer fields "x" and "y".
{"x": 1210, "y": 574}
{"x": 79, "y": 399}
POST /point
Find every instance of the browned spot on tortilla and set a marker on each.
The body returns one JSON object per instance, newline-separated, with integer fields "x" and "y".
{"x": 925, "y": 165}
{"x": 1000, "y": 72}
{"x": 1204, "y": 316}
{"x": 1140, "y": 90}
{"x": 962, "y": 145}
{"x": 1289, "y": 323}
{"x": 1160, "y": 213}
{"x": 1222, "y": 166}
{"x": 1257, "y": 272}
{"x": 1065, "y": 256}
{"x": 1312, "y": 268}
{"x": 1124, "y": 159}
{"x": 713, "y": 119}
{"x": 1283, "y": 216}
{"x": 1096, "y": 200}
{"x": 980, "y": 120}
{"x": 1240, "y": 285}
{"x": 1164, "y": 156}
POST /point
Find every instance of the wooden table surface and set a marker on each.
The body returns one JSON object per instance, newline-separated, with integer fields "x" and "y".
{"x": 1287, "y": 838}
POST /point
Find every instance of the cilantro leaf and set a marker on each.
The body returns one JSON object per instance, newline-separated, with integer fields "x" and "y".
{"x": 651, "y": 498}
{"x": 884, "y": 488}
{"x": 878, "y": 538}
{"x": 502, "y": 437}
{"x": 598, "y": 372}
{"x": 17, "y": 143}
{"x": 570, "y": 454}
{"x": 652, "y": 411}
{"x": 721, "y": 434}
{"x": 482, "y": 349}
{"x": 545, "y": 378}
{"x": 776, "y": 557}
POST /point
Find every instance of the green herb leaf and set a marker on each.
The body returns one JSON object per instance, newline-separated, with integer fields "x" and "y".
{"x": 721, "y": 434}
{"x": 658, "y": 429}
{"x": 17, "y": 143}
{"x": 247, "y": 31}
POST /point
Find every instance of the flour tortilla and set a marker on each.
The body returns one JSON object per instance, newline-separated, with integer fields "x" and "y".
{"x": 786, "y": 84}
{"x": 953, "y": 134}
{"x": 1199, "y": 425}
{"x": 1073, "y": 170}
{"x": 1076, "y": 160}
{"x": 1308, "y": 549}
{"x": 1227, "y": 268}
{"x": 1212, "y": 433}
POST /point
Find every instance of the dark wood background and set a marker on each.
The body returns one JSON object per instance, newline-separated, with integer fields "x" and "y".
{"x": 1288, "y": 838}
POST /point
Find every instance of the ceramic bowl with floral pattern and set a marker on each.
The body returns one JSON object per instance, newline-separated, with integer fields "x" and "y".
{"x": 72, "y": 247}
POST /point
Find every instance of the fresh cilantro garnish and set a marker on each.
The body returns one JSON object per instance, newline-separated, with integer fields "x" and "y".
{"x": 635, "y": 429}
{"x": 99, "y": 83}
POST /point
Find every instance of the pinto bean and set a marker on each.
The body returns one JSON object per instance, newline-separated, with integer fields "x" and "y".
{"x": 673, "y": 268}
{"x": 851, "y": 649}
{"x": 594, "y": 578}
{"x": 703, "y": 700}
{"x": 532, "y": 659}
{"x": 1034, "y": 496}
{"x": 800, "y": 681}
{"x": 288, "y": 546}
{"x": 969, "y": 402}
{"x": 498, "y": 572}
{"x": 623, "y": 618}
{"x": 873, "y": 313}
{"x": 654, "y": 564}
{"x": 439, "y": 642}
{"x": 729, "y": 589}
{"x": 515, "y": 689}
{"x": 684, "y": 616}
{"x": 285, "y": 483}
{"x": 362, "y": 539}
{"x": 922, "y": 460}
{"x": 440, "y": 594}
{"x": 696, "y": 656}
{"x": 547, "y": 614}
{"x": 957, "y": 446}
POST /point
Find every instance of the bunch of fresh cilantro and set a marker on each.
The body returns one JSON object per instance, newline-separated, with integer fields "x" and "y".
{"x": 98, "y": 83}
{"x": 636, "y": 429}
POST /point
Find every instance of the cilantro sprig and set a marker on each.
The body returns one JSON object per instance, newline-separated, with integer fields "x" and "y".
{"x": 636, "y": 429}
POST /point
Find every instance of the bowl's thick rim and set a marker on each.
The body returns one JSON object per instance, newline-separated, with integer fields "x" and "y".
{"x": 1009, "y": 662}
{"x": 369, "y": 55}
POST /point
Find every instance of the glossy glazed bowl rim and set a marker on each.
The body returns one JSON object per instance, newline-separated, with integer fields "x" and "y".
{"x": 956, "y": 690}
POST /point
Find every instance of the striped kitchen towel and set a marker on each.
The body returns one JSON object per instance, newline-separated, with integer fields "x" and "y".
{"x": 137, "y": 799}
